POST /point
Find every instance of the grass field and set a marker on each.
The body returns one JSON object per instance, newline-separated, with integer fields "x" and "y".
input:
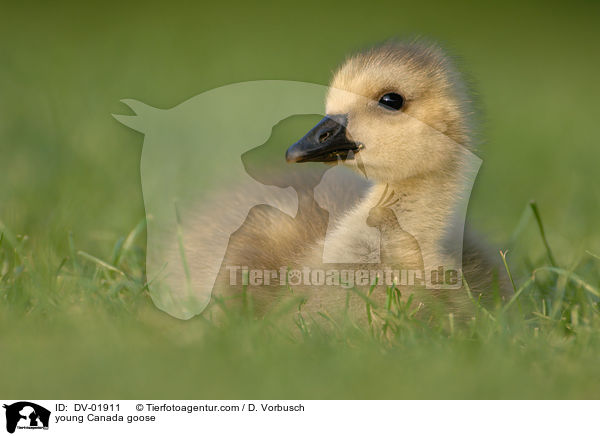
{"x": 75, "y": 318}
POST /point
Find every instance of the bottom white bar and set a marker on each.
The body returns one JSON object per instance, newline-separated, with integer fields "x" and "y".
{"x": 149, "y": 417}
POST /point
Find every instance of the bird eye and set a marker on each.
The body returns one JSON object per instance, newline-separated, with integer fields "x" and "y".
{"x": 391, "y": 101}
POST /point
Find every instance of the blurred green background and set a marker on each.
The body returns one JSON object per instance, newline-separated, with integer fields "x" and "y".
{"x": 67, "y": 165}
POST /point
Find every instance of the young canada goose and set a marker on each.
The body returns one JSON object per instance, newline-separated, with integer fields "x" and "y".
{"x": 398, "y": 114}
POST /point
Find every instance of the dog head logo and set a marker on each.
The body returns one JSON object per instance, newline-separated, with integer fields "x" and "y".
{"x": 194, "y": 165}
{"x": 203, "y": 180}
{"x": 26, "y": 415}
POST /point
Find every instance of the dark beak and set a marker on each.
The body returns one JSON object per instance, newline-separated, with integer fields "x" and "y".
{"x": 324, "y": 143}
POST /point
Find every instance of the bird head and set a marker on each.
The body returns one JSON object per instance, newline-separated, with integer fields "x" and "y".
{"x": 396, "y": 111}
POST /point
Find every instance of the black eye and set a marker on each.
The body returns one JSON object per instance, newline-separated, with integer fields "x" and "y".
{"x": 391, "y": 101}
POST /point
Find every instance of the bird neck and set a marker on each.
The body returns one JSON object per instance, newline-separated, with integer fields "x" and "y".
{"x": 432, "y": 208}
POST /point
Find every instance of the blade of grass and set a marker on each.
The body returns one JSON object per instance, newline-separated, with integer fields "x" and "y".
{"x": 475, "y": 302}
{"x": 11, "y": 238}
{"x": 186, "y": 269}
{"x": 561, "y": 289}
{"x": 73, "y": 251}
{"x": 368, "y": 305}
{"x": 517, "y": 293}
{"x": 128, "y": 243}
{"x": 503, "y": 256}
{"x": 592, "y": 254}
{"x": 101, "y": 263}
{"x": 451, "y": 323}
{"x": 538, "y": 218}
{"x": 571, "y": 276}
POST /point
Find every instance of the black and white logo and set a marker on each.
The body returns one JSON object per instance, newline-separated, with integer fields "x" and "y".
{"x": 26, "y": 415}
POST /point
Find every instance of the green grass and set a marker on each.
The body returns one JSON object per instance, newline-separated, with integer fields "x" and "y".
{"x": 85, "y": 327}
{"x": 75, "y": 317}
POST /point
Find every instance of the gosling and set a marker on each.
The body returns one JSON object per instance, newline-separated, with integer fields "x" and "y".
{"x": 398, "y": 117}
